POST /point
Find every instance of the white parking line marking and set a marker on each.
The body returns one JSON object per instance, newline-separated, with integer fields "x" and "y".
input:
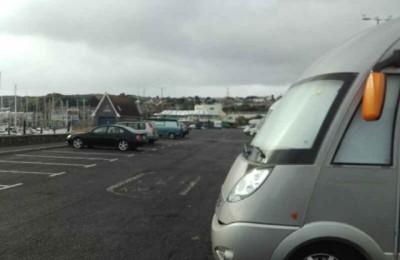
{"x": 4, "y": 187}
{"x": 67, "y": 157}
{"x": 57, "y": 174}
{"x": 190, "y": 186}
{"x": 91, "y": 153}
{"x": 148, "y": 149}
{"x": 24, "y": 150}
{"x": 163, "y": 147}
{"x": 44, "y": 163}
{"x": 119, "y": 184}
{"x": 51, "y": 174}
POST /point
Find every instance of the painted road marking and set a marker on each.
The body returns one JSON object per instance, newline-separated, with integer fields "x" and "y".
{"x": 4, "y": 187}
{"x": 190, "y": 186}
{"x": 148, "y": 149}
{"x": 122, "y": 183}
{"x": 67, "y": 157}
{"x": 94, "y": 153}
{"x": 25, "y": 150}
{"x": 57, "y": 174}
{"x": 51, "y": 174}
{"x": 44, "y": 163}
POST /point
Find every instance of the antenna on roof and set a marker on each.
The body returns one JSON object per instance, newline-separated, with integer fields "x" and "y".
{"x": 376, "y": 18}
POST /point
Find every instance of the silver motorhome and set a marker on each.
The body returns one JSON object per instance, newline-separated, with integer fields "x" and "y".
{"x": 320, "y": 179}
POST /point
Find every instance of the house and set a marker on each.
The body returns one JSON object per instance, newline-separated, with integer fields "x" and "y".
{"x": 185, "y": 115}
{"x": 233, "y": 117}
{"x": 214, "y": 110}
{"x": 112, "y": 109}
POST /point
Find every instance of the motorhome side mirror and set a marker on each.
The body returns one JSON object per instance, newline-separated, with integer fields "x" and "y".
{"x": 374, "y": 93}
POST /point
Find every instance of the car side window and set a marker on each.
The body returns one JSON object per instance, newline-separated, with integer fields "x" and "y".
{"x": 171, "y": 124}
{"x": 112, "y": 130}
{"x": 370, "y": 142}
{"x": 100, "y": 130}
{"x": 159, "y": 123}
{"x": 120, "y": 130}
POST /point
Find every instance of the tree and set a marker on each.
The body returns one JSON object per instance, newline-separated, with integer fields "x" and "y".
{"x": 197, "y": 100}
{"x": 241, "y": 120}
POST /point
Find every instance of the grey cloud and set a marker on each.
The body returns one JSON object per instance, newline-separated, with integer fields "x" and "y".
{"x": 192, "y": 43}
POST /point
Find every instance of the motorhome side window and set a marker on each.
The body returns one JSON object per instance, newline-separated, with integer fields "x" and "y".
{"x": 370, "y": 142}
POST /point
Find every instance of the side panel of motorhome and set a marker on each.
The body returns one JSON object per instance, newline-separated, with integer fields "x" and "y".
{"x": 358, "y": 183}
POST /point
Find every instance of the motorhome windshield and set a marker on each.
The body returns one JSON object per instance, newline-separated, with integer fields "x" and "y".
{"x": 292, "y": 134}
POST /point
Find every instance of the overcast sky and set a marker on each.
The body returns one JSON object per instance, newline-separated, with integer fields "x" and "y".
{"x": 186, "y": 47}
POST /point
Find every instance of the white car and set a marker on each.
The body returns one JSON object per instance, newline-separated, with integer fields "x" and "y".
{"x": 252, "y": 127}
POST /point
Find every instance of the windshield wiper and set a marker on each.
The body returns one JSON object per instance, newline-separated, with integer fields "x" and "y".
{"x": 247, "y": 149}
{"x": 260, "y": 152}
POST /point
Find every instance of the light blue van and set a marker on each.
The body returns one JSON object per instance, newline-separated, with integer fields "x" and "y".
{"x": 170, "y": 128}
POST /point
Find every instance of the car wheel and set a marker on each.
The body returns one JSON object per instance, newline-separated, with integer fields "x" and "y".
{"x": 171, "y": 136}
{"x": 77, "y": 143}
{"x": 123, "y": 145}
{"x": 327, "y": 251}
{"x": 151, "y": 141}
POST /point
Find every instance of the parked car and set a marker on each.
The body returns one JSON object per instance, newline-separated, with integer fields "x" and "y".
{"x": 218, "y": 124}
{"x": 134, "y": 124}
{"x": 152, "y": 133}
{"x": 185, "y": 129}
{"x": 122, "y": 137}
{"x": 264, "y": 118}
{"x": 251, "y": 128}
{"x": 225, "y": 125}
{"x": 170, "y": 128}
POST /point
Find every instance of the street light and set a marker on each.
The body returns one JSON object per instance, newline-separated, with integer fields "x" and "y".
{"x": 162, "y": 102}
{"x": 376, "y": 18}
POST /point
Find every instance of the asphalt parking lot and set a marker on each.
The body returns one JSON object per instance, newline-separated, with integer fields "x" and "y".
{"x": 154, "y": 203}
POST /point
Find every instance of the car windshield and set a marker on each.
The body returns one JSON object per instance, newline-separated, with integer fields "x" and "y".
{"x": 294, "y": 131}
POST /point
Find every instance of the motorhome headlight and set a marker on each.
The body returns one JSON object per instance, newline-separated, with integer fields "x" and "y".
{"x": 248, "y": 184}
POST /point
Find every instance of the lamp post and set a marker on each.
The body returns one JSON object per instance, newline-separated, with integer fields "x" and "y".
{"x": 376, "y": 18}
{"x": 162, "y": 101}
{"x": 1, "y": 97}
{"x": 1, "y": 103}
{"x": 15, "y": 106}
